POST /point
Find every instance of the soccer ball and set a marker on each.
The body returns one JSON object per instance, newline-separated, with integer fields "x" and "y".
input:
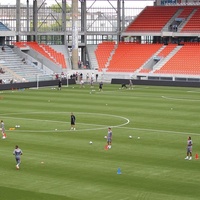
{"x": 105, "y": 137}
{"x": 90, "y": 142}
{"x": 3, "y": 137}
{"x": 130, "y": 137}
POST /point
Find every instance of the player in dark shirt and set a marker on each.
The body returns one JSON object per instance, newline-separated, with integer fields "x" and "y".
{"x": 59, "y": 84}
{"x": 100, "y": 86}
{"x": 123, "y": 86}
{"x": 73, "y": 121}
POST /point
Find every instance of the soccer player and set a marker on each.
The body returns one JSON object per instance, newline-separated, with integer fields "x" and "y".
{"x": 59, "y": 84}
{"x": 124, "y": 86}
{"x": 130, "y": 84}
{"x": 100, "y": 86}
{"x": 82, "y": 84}
{"x": 73, "y": 120}
{"x": 189, "y": 149}
{"x": 17, "y": 153}
{"x": 3, "y": 129}
{"x": 109, "y": 138}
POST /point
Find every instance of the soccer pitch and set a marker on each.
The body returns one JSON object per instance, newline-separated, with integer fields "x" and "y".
{"x": 61, "y": 164}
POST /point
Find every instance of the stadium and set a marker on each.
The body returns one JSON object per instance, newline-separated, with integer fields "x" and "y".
{"x": 122, "y": 71}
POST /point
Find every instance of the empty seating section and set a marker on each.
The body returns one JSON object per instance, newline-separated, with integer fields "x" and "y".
{"x": 185, "y": 61}
{"x": 128, "y": 57}
{"x": 152, "y": 18}
{"x": 16, "y": 70}
{"x": 46, "y": 51}
{"x": 187, "y": 10}
{"x": 103, "y": 52}
{"x": 59, "y": 57}
{"x": 193, "y": 23}
{"x": 167, "y": 50}
{"x": 145, "y": 70}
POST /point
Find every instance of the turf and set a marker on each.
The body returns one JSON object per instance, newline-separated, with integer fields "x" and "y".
{"x": 58, "y": 163}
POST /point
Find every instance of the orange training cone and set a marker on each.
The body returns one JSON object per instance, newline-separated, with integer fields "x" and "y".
{"x": 106, "y": 147}
{"x": 4, "y": 136}
{"x": 196, "y": 156}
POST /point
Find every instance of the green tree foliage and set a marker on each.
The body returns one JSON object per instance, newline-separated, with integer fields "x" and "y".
{"x": 58, "y": 8}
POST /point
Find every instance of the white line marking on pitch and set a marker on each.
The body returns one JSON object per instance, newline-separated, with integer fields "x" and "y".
{"x": 160, "y": 131}
{"x": 192, "y": 91}
{"x": 177, "y": 99}
{"x": 96, "y": 128}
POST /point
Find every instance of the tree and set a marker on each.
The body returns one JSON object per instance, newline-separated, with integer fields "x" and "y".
{"x": 58, "y": 8}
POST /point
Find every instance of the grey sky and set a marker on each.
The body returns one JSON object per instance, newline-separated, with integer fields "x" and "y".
{"x": 98, "y": 3}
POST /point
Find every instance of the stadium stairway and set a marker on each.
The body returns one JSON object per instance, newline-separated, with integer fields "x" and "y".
{"x": 46, "y": 51}
{"x": 187, "y": 19}
{"x": 129, "y": 57}
{"x": 185, "y": 61}
{"x": 16, "y": 68}
{"x": 166, "y": 55}
{"x": 103, "y": 53}
{"x": 92, "y": 57}
{"x": 193, "y": 23}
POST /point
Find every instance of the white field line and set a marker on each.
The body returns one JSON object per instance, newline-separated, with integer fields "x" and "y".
{"x": 99, "y": 127}
{"x": 193, "y": 91}
{"x": 179, "y": 99}
{"x": 160, "y": 131}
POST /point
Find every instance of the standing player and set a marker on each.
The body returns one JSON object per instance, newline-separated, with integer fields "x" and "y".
{"x": 73, "y": 120}
{"x": 189, "y": 149}
{"x": 59, "y": 84}
{"x": 17, "y": 152}
{"x": 109, "y": 138}
{"x": 130, "y": 84}
{"x": 100, "y": 86}
{"x": 3, "y": 130}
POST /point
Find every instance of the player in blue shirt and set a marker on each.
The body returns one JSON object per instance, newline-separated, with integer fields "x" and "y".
{"x": 17, "y": 153}
{"x": 189, "y": 149}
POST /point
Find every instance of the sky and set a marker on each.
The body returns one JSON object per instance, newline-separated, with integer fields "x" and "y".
{"x": 98, "y": 3}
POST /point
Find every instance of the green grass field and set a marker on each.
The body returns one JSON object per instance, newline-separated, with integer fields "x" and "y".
{"x": 62, "y": 165}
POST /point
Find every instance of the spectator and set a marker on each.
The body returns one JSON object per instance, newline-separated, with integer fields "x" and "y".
{"x": 1, "y": 71}
{"x": 3, "y": 48}
{"x": 24, "y": 60}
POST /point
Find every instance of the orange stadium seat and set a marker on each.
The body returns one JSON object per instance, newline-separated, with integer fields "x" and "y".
{"x": 193, "y": 23}
{"x": 129, "y": 57}
{"x": 103, "y": 53}
{"x": 46, "y": 51}
{"x": 152, "y": 18}
{"x": 185, "y": 61}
